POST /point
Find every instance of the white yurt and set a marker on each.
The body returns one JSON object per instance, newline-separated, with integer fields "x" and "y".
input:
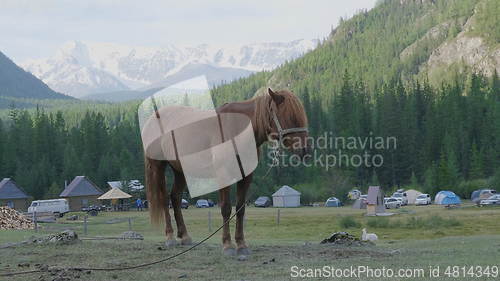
{"x": 286, "y": 197}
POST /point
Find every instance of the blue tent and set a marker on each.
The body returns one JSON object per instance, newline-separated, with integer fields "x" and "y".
{"x": 333, "y": 202}
{"x": 447, "y": 198}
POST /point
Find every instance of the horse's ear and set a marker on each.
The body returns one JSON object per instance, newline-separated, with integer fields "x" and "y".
{"x": 277, "y": 98}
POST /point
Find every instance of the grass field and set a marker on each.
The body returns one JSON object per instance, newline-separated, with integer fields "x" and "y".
{"x": 416, "y": 237}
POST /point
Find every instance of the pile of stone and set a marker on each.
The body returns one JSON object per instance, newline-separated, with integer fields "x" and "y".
{"x": 65, "y": 237}
{"x": 344, "y": 238}
{"x": 12, "y": 219}
{"x": 131, "y": 235}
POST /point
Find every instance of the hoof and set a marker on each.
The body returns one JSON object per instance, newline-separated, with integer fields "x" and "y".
{"x": 243, "y": 252}
{"x": 186, "y": 241}
{"x": 171, "y": 243}
{"x": 231, "y": 252}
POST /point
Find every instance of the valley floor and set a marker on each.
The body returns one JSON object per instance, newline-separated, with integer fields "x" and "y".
{"x": 279, "y": 252}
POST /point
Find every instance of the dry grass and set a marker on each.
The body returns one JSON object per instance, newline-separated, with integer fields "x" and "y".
{"x": 474, "y": 241}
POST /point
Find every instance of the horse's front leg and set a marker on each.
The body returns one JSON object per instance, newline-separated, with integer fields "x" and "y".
{"x": 176, "y": 197}
{"x": 241, "y": 194}
{"x": 225, "y": 209}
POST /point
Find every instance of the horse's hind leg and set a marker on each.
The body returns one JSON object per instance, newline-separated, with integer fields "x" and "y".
{"x": 176, "y": 197}
{"x": 239, "y": 237}
{"x": 158, "y": 196}
{"x": 225, "y": 208}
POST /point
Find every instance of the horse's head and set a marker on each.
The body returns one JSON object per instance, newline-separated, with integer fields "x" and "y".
{"x": 288, "y": 121}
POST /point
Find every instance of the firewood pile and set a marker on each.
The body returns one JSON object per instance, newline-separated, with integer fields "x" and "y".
{"x": 12, "y": 219}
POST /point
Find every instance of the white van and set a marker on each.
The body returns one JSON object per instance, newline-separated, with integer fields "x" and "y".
{"x": 55, "y": 206}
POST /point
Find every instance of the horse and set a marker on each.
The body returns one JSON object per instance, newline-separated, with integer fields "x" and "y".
{"x": 277, "y": 116}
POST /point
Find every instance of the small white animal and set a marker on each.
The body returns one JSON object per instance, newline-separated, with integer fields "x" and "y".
{"x": 368, "y": 236}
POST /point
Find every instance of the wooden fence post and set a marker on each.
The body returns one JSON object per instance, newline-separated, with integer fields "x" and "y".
{"x": 85, "y": 225}
{"x": 129, "y": 224}
{"x": 209, "y": 221}
{"x": 278, "y": 217}
{"x": 35, "y": 221}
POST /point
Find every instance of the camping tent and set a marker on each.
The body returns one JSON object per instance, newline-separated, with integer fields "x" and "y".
{"x": 446, "y": 198}
{"x": 286, "y": 197}
{"x": 333, "y": 202}
{"x": 359, "y": 204}
{"x": 375, "y": 201}
{"x": 412, "y": 195}
{"x": 480, "y": 194}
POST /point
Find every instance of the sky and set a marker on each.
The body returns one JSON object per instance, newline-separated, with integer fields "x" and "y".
{"x": 35, "y": 29}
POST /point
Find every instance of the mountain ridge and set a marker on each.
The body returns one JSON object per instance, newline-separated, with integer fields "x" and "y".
{"x": 86, "y": 68}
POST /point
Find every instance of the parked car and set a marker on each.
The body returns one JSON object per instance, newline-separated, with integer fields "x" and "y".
{"x": 492, "y": 200}
{"x": 392, "y": 203}
{"x": 399, "y": 199}
{"x": 210, "y": 203}
{"x": 56, "y": 206}
{"x": 202, "y": 203}
{"x": 184, "y": 204}
{"x": 423, "y": 199}
{"x": 333, "y": 202}
{"x": 364, "y": 198}
{"x": 92, "y": 210}
{"x": 262, "y": 201}
{"x": 402, "y": 196}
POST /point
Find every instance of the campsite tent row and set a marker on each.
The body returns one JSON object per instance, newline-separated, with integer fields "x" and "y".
{"x": 81, "y": 192}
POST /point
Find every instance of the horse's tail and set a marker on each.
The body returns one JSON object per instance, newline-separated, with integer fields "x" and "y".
{"x": 156, "y": 191}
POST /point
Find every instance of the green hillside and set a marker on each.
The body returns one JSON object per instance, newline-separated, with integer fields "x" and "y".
{"x": 17, "y": 83}
{"x": 381, "y": 73}
{"x": 394, "y": 39}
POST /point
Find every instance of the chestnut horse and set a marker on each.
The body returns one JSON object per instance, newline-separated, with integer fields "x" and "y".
{"x": 276, "y": 115}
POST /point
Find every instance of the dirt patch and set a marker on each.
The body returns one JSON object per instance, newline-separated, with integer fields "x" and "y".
{"x": 330, "y": 251}
{"x": 55, "y": 273}
{"x": 265, "y": 259}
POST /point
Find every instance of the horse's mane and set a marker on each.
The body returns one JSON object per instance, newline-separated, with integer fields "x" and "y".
{"x": 291, "y": 108}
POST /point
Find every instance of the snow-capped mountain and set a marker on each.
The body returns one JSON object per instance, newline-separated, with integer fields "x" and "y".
{"x": 85, "y": 68}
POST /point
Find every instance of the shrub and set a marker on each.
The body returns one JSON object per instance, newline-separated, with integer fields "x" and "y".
{"x": 465, "y": 188}
{"x": 380, "y": 222}
{"x": 348, "y": 222}
{"x": 430, "y": 222}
